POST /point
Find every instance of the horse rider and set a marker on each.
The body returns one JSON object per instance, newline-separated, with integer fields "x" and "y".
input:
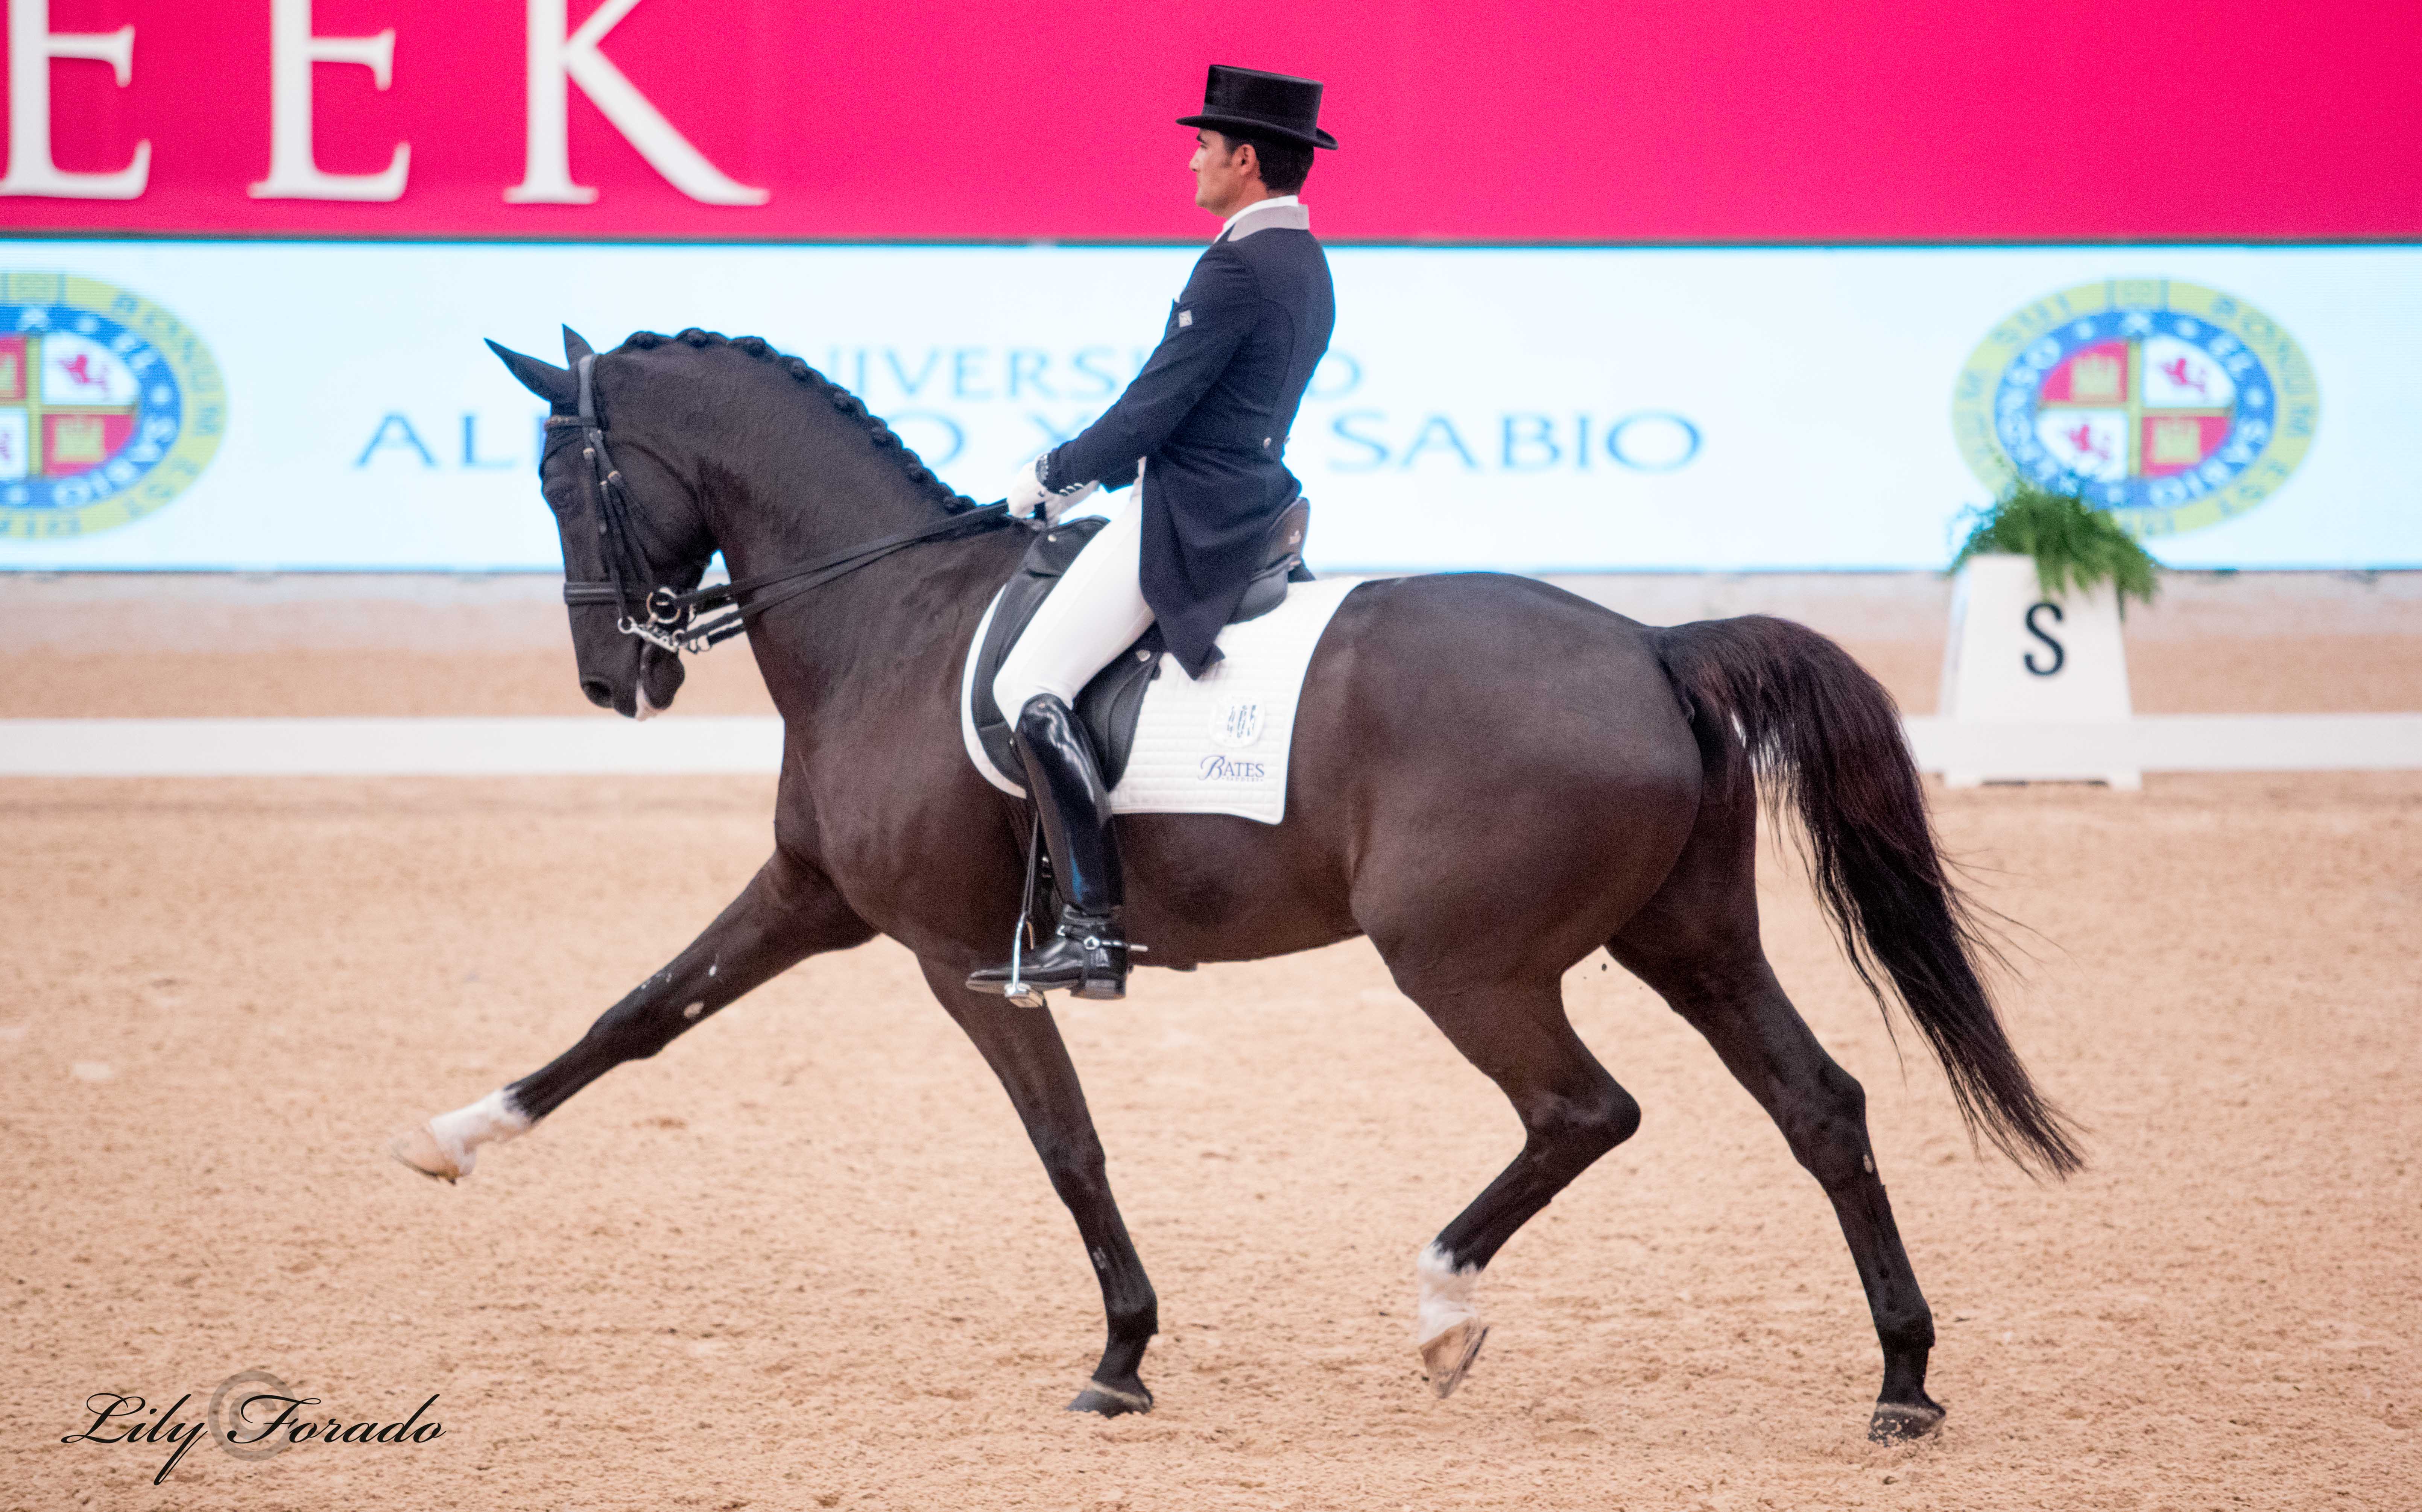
{"x": 1204, "y": 426}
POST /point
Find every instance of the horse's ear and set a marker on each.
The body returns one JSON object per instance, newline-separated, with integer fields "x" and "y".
{"x": 544, "y": 379}
{"x": 575, "y": 348}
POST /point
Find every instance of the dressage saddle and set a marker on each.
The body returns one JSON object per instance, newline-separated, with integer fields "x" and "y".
{"x": 1109, "y": 703}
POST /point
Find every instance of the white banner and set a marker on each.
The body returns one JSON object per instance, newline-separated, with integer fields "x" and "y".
{"x": 314, "y": 406}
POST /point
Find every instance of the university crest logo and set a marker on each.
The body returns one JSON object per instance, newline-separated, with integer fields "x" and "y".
{"x": 109, "y": 406}
{"x": 2172, "y": 405}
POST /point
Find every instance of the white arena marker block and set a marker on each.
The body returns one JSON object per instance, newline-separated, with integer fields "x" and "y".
{"x": 2033, "y": 686}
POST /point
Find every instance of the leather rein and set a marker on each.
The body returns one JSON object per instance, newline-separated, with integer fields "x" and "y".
{"x": 693, "y": 622}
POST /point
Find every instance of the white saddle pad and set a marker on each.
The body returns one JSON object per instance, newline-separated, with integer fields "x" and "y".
{"x": 1215, "y": 745}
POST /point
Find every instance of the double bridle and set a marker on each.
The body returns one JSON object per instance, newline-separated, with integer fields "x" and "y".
{"x": 671, "y": 619}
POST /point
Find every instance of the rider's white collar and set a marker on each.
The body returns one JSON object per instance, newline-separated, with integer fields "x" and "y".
{"x": 1271, "y": 203}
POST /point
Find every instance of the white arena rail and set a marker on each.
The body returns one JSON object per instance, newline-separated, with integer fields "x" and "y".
{"x": 2174, "y": 742}
{"x": 437, "y": 746}
{"x": 737, "y": 743}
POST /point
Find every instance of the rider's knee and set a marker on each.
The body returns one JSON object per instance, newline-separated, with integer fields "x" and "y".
{"x": 1016, "y": 687}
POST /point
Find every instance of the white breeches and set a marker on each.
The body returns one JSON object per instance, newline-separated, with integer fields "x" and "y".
{"x": 1095, "y": 612}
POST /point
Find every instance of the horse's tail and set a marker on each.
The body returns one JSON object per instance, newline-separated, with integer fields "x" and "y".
{"x": 1824, "y": 737}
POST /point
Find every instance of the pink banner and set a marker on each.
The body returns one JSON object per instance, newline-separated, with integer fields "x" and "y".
{"x": 1719, "y": 121}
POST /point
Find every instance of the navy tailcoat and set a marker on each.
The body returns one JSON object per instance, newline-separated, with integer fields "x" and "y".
{"x": 1206, "y": 421}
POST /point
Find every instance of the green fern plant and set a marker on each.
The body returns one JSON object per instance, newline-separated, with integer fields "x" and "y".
{"x": 2076, "y": 548}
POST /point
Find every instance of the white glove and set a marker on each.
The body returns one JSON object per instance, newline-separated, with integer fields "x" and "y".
{"x": 1027, "y": 497}
{"x": 1025, "y": 493}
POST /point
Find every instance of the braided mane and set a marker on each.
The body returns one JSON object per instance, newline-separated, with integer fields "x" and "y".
{"x": 849, "y": 404}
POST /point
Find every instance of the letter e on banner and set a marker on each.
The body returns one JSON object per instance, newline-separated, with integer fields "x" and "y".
{"x": 293, "y": 172}
{"x": 32, "y": 45}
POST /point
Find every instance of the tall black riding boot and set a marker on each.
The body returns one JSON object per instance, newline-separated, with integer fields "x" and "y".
{"x": 1088, "y": 954}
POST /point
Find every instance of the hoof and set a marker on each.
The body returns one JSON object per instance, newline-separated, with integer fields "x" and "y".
{"x": 1900, "y": 1422}
{"x": 1109, "y": 1401}
{"x": 1448, "y": 1358}
{"x": 418, "y": 1148}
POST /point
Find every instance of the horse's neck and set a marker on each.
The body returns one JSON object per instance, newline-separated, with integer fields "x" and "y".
{"x": 868, "y": 629}
{"x": 886, "y": 637}
{"x": 767, "y": 522}
{"x": 805, "y": 486}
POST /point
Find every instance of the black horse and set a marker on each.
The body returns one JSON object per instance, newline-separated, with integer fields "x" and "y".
{"x": 1490, "y": 780}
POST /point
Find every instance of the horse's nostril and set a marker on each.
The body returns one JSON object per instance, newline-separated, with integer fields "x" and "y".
{"x": 600, "y": 692}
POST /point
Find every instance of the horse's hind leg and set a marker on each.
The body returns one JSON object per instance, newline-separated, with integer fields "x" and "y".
{"x": 1572, "y": 1113}
{"x": 788, "y": 912}
{"x": 1696, "y": 943}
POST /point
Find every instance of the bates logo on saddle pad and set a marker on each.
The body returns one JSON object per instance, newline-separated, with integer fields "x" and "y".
{"x": 1218, "y": 745}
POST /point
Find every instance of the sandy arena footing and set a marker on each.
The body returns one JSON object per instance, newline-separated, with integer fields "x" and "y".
{"x": 805, "y": 1259}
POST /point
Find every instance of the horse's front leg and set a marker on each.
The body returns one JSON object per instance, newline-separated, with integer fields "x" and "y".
{"x": 788, "y": 913}
{"x": 1024, "y": 1048}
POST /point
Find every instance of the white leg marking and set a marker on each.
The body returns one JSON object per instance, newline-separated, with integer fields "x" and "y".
{"x": 1447, "y": 1294}
{"x": 1446, "y": 1326}
{"x": 461, "y": 1133}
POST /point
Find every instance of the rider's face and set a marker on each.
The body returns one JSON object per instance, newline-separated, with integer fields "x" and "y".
{"x": 1226, "y": 177}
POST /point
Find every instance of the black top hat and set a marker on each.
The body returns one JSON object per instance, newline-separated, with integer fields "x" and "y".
{"x": 1248, "y": 102}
